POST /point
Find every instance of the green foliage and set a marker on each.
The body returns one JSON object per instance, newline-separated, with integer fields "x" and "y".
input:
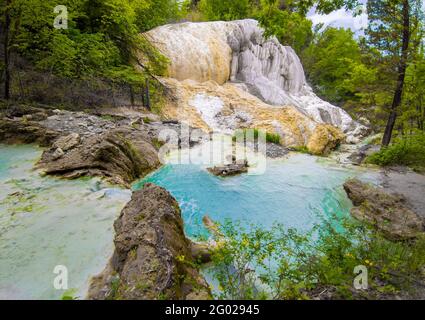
{"x": 301, "y": 149}
{"x": 290, "y": 28}
{"x": 80, "y": 55}
{"x": 242, "y": 134}
{"x": 69, "y": 295}
{"x": 158, "y": 12}
{"x": 397, "y": 43}
{"x": 285, "y": 264}
{"x": 331, "y": 61}
{"x": 225, "y": 9}
{"x": 102, "y": 40}
{"x": 408, "y": 151}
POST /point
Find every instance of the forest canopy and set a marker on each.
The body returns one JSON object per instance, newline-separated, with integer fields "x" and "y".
{"x": 376, "y": 73}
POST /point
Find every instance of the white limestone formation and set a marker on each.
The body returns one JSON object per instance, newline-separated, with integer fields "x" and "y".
{"x": 237, "y": 52}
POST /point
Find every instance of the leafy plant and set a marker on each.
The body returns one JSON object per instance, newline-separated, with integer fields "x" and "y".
{"x": 245, "y": 133}
{"x": 409, "y": 151}
{"x": 253, "y": 263}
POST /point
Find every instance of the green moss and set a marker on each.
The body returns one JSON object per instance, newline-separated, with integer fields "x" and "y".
{"x": 142, "y": 287}
{"x": 301, "y": 149}
{"x": 115, "y": 285}
{"x": 133, "y": 253}
{"x": 157, "y": 143}
{"x": 147, "y": 120}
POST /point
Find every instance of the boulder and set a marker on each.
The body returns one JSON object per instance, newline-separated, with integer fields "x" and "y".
{"x": 121, "y": 156}
{"x": 67, "y": 142}
{"x": 24, "y": 131}
{"x": 359, "y": 156}
{"x": 324, "y": 139}
{"x": 229, "y": 169}
{"x": 152, "y": 258}
{"x": 388, "y": 213}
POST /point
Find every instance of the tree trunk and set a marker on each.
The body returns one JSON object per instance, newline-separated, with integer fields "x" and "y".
{"x": 131, "y": 95}
{"x": 147, "y": 96}
{"x": 401, "y": 75}
{"x": 7, "y": 22}
{"x": 143, "y": 97}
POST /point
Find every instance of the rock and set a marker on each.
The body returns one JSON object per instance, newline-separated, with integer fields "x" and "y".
{"x": 388, "y": 213}
{"x": 201, "y": 252}
{"x": 121, "y": 156}
{"x": 39, "y": 116}
{"x": 58, "y": 153}
{"x": 359, "y": 156}
{"x": 229, "y": 169}
{"x": 67, "y": 142}
{"x": 274, "y": 150}
{"x": 152, "y": 257}
{"x": 22, "y": 131}
{"x": 239, "y": 51}
{"x": 28, "y": 112}
{"x": 325, "y": 138}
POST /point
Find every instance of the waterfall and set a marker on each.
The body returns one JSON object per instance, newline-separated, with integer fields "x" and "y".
{"x": 237, "y": 52}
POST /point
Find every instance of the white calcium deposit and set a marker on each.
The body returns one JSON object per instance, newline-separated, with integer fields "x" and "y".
{"x": 237, "y": 52}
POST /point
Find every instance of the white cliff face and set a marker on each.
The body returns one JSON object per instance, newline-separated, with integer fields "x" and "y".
{"x": 237, "y": 52}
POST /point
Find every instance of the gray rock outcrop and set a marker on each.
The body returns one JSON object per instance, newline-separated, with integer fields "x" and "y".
{"x": 388, "y": 213}
{"x": 152, "y": 257}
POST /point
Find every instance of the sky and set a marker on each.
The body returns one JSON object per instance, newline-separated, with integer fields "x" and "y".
{"x": 342, "y": 18}
{"x": 345, "y": 19}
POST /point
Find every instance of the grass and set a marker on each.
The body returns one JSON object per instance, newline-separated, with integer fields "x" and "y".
{"x": 243, "y": 133}
{"x": 301, "y": 149}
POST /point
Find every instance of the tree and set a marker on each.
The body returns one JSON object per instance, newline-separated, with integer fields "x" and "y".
{"x": 333, "y": 63}
{"x": 225, "y": 9}
{"x": 290, "y": 28}
{"x": 392, "y": 24}
{"x": 6, "y": 49}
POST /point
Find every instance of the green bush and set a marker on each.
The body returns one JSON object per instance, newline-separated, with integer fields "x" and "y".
{"x": 270, "y": 137}
{"x": 409, "y": 151}
{"x": 225, "y": 9}
{"x": 279, "y": 264}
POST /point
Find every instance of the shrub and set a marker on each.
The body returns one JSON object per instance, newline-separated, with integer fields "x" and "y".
{"x": 270, "y": 137}
{"x": 284, "y": 264}
{"x": 409, "y": 151}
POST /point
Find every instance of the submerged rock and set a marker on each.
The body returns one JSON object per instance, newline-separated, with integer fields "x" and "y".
{"x": 229, "y": 169}
{"x": 152, "y": 257}
{"x": 388, "y": 213}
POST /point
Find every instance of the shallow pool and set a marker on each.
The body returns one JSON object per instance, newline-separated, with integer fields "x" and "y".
{"x": 45, "y": 222}
{"x": 296, "y": 192}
